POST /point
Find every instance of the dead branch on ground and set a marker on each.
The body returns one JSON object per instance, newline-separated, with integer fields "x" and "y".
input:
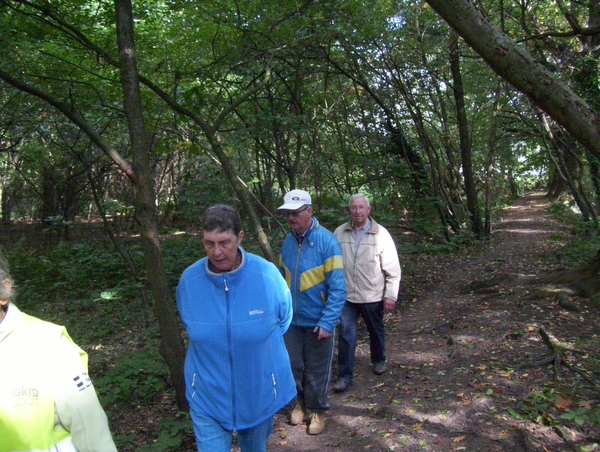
{"x": 557, "y": 349}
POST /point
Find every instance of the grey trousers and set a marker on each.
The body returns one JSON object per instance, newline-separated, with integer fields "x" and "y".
{"x": 311, "y": 361}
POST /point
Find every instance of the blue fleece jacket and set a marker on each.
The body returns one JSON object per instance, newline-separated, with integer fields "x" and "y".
{"x": 314, "y": 271}
{"x": 237, "y": 369}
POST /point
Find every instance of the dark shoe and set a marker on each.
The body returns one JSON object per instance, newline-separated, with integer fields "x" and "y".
{"x": 317, "y": 423}
{"x": 342, "y": 384}
{"x": 298, "y": 413}
{"x": 380, "y": 368}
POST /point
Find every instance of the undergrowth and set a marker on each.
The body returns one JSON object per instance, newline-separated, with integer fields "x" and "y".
{"x": 583, "y": 238}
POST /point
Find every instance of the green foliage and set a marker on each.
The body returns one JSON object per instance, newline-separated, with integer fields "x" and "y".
{"x": 416, "y": 244}
{"x": 114, "y": 207}
{"x": 57, "y": 224}
{"x": 172, "y": 434}
{"x": 138, "y": 377}
{"x": 544, "y": 407}
{"x": 578, "y": 251}
{"x": 179, "y": 252}
{"x": 535, "y": 407}
{"x": 579, "y": 416}
{"x": 200, "y": 187}
{"x": 83, "y": 279}
{"x": 583, "y": 240}
{"x": 306, "y": 125}
{"x": 331, "y": 218}
{"x": 78, "y": 268}
{"x": 141, "y": 378}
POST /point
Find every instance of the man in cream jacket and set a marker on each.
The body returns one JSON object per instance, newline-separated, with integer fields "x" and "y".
{"x": 372, "y": 272}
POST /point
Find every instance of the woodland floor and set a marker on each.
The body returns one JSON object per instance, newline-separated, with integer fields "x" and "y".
{"x": 464, "y": 352}
{"x": 460, "y": 350}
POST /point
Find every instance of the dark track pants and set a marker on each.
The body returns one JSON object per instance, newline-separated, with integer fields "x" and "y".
{"x": 311, "y": 365}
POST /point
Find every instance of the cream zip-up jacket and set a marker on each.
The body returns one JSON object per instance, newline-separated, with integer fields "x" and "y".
{"x": 373, "y": 271}
{"x": 47, "y": 401}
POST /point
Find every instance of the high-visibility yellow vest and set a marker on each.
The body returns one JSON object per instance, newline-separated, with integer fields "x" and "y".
{"x": 27, "y": 363}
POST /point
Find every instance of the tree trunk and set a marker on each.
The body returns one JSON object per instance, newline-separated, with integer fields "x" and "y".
{"x": 565, "y": 162}
{"x": 518, "y": 67}
{"x": 556, "y": 183}
{"x": 570, "y": 170}
{"x": 584, "y": 280}
{"x": 172, "y": 347}
{"x": 465, "y": 141}
{"x": 48, "y": 207}
{"x": 514, "y": 188}
{"x": 6, "y": 202}
{"x": 491, "y": 158}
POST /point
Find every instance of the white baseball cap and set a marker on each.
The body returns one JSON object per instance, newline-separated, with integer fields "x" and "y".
{"x": 295, "y": 199}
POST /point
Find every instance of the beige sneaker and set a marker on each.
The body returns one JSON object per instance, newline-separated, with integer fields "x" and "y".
{"x": 317, "y": 423}
{"x": 298, "y": 413}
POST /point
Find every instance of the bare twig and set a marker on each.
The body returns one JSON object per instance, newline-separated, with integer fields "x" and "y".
{"x": 452, "y": 347}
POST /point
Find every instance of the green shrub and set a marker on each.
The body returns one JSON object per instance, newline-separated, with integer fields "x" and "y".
{"x": 172, "y": 435}
{"x": 137, "y": 378}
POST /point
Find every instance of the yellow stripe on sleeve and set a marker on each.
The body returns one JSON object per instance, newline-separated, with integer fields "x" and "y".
{"x": 316, "y": 276}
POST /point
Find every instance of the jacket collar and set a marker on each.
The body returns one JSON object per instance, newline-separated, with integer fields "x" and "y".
{"x": 11, "y": 321}
{"x": 314, "y": 225}
{"x": 374, "y": 229}
{"x": 230, "y": 277}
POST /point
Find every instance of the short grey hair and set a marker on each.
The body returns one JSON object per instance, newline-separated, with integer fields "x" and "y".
{"x": 358, "y": 196}
{"x": 222, "y": 218}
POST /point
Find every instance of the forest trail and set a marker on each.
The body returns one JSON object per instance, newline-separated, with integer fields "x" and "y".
{"x": 458, "y": 351}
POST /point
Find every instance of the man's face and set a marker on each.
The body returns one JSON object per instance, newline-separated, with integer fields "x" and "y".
{"x": 221, "y": 248}
{"x": 359, "y": 211}
{"x": 299, "y": 220}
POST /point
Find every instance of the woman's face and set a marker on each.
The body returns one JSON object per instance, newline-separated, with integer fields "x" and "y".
{"x": 221, "y": 248}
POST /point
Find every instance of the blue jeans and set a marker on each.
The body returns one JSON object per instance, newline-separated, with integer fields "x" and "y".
{"x": 311, "y": 365}
{"x": 372, "y": 314}
{"x": 211, "y": 437}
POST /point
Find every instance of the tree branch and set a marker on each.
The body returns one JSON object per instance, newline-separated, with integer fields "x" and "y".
{"x": 76, "y": 117}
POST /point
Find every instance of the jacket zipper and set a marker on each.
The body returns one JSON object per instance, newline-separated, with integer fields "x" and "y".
{"x": 296, "y": 281}
{"x": 230, "y": 352}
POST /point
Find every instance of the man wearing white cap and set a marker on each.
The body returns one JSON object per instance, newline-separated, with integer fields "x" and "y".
{"x": 311, "y": 262}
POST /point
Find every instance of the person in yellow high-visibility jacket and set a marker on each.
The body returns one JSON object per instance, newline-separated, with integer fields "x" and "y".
{"x": 47, "y": 400}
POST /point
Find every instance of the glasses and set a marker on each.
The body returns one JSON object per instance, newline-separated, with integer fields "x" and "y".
{"x": 295, "y": 213}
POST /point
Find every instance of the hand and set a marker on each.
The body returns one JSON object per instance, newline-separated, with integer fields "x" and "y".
{"x": 322, "y": 333}
{"x": 388, "y": 304}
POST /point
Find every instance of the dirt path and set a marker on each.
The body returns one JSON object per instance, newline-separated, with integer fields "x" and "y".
{"x": 456, "y": 349}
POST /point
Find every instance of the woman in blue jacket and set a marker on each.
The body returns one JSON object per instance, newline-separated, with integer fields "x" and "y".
{"x": 236, "y": 307}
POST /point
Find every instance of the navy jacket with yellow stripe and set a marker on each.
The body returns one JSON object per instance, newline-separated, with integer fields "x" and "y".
{"x": 314, "y": 273}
